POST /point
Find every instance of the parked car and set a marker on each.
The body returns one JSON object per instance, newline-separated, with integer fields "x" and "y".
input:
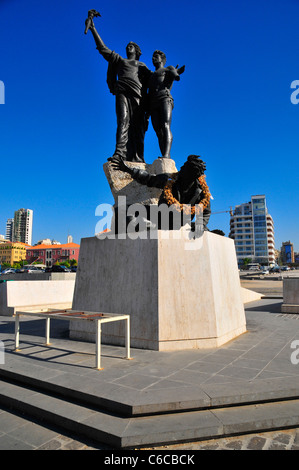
{"x": 265, "y": 271}
{"x": 285, "y": 268}
{"x": 60, "y": 269}
{"x": 275, "y": 269}
{"x": 8, "y": 271}
{"x": 33, "y": 269}
{"x": 74, "y": 269}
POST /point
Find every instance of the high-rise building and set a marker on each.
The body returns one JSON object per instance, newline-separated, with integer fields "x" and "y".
{"x": 251, "y": 227}
{"x": 287, "y": 253}
{"x": 22, "y": 230}
{"x": 9, "y": 229}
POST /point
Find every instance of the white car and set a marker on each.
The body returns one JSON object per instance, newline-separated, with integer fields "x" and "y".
{"x": 8, "y": 271}
{"x": 33, "y": 269}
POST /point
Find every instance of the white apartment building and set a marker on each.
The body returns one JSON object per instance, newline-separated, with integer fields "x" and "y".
{"x": 9, "y": 229}
{"x": 22, "y": 226}
{"x": 251, "y": 227}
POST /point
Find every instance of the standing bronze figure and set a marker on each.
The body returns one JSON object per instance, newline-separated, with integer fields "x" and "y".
{"x": 161, "y": 101}
{"x": 127, "y": 79}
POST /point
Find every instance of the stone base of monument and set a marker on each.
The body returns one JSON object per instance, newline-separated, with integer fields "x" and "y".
{"x": 181, "y": 293}
{"x": 122, "y": 185}
{"x": 290, "y": 295}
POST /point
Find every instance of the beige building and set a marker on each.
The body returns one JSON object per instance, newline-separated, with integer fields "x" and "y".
{"x": 12, "y": 252}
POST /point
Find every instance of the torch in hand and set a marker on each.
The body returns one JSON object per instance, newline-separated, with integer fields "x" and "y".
{"x": 91, "y": 15}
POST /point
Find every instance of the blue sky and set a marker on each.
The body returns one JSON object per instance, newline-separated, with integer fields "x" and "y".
{"x": 232, "y": 105}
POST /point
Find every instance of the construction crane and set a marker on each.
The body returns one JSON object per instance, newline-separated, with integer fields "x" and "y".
{"x": 223, "y": 212}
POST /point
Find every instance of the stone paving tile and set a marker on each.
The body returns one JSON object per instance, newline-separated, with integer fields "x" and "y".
{"x": 8, "y": 442}
{"x": 23, "y": 433}
{"x": 32, "y": 434}
{"x": 275, "y": 440}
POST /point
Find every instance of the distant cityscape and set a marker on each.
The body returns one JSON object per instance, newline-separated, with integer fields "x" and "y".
{"x": 251, "y": 228}
{"x": 16, "y": 246}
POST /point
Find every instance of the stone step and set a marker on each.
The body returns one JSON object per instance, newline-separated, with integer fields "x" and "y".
{"x": 69, "y": 393}
{"x": 110, "y": 398}
{"x": 125, "y": 432}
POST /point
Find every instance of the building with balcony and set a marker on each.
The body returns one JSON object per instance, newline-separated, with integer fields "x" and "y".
{"x": 50, "y": 254}
{"x": 252, "y": 229}
{"x": 9, "y": 229}
{"x": 22, "y": 226}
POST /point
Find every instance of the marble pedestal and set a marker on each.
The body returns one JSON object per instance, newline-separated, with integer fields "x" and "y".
{"x": 180, "y": 293}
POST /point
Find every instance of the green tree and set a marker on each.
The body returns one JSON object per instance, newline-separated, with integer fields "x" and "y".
{"x": 5, "y": 265}
{"x": 246, "y": 261}
{"x": 65, "y": 263}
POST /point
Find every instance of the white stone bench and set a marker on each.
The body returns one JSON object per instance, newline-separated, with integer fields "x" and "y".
{"x": 35, "y": 295}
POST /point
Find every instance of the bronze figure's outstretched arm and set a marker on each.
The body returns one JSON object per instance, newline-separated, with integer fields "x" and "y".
{"x": 102, "y": 48}
{"x": 120, "y": 165}
{"x": 89, "y": 21}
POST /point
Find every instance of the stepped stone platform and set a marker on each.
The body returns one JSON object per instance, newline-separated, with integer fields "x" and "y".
{"x": 247, "y": 385}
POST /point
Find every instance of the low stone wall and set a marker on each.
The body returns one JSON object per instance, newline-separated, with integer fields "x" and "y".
{"x": 290, "y": 295}
{"x": 28, "y": 295}
{"x": 38, "y": 277}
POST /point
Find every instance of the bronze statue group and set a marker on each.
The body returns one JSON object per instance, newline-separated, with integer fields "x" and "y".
{"x": 139, "y": 94}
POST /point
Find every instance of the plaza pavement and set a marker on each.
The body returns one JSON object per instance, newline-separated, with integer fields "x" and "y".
{"x": 244, "y": 394}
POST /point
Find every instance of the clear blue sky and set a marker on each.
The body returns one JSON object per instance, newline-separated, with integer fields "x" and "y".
{"x": 232, "y": 105}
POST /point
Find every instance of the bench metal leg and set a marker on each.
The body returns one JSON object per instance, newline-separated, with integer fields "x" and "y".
{"x": 47, "y": 330}
{"x": 128, "y": 338}
{"x": 98, "y": 344}
{"x": 17, "y": 332}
